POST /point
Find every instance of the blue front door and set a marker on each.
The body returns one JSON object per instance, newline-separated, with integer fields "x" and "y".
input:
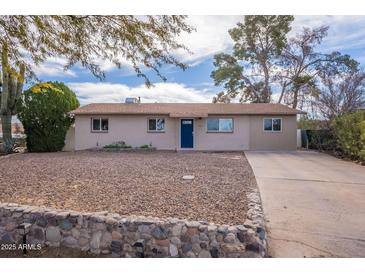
{"x": 187, "y": 137}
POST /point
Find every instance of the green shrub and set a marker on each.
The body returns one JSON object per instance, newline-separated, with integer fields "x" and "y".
{"x": 349, "y": 130}
{"x": 321, "y": 139}
{"x": 118, "y": 145}
{"x": 312, "y": 124}
{"x": 144, "y": 146}
{"x": 44, "y": 112}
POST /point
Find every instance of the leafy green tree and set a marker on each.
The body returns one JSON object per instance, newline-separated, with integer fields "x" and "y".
{"x": 249, "y": 71}
{"x": 44, "y": 112}
{"x": 27, "y": 41}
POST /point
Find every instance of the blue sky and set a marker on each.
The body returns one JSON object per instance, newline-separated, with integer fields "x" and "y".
{"x": 346, "y": 34}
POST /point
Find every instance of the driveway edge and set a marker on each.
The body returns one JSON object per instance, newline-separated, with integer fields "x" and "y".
{"x": 255, "y": 218}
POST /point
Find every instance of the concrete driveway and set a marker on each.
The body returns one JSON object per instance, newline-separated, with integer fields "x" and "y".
{"x": 314, "y": 203}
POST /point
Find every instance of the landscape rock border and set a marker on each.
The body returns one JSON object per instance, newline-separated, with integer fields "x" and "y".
{"x": 136, "y": 236}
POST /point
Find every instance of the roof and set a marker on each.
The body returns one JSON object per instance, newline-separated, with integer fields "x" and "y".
{"x": 186, "y": 109}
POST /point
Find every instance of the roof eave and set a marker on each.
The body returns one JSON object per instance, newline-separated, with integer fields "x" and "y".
{"x": 177, "y": 115}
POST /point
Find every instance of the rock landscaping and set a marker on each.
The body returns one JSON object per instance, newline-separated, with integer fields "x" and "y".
{"x": 144, "y": 183}
{"x": 133, "y": 204}
{"x": 113, "y": 235}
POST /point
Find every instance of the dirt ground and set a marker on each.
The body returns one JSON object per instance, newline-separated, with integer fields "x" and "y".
{"x": 132, "y": 183}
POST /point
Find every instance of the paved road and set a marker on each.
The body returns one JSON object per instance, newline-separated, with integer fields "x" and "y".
{"x": 314, "y": 203}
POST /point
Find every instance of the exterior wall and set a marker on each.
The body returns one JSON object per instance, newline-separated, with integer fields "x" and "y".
{"x": 130, "y": 129}
{"x": 284, "y": 140}
{"x": 239, "y": 139}
{"x": 247, "y": 133}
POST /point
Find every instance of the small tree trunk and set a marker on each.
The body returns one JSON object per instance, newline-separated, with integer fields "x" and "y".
{"x": 266, "y": 95}
{"x": 282, "y": 93}
{"x": 8, "y": 142}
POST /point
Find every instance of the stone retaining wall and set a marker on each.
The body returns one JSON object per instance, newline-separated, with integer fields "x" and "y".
{"x": 120, "y": 236}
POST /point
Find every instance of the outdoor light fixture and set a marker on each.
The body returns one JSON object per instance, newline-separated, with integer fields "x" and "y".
{"x": 24, "y": 229}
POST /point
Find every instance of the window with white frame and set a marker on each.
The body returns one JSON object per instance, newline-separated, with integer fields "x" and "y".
{"x": 156, "y": 124}
{"x": 99, "y": 125}
{"x": 272, "y": 124}
{"x": 220, "y": 125}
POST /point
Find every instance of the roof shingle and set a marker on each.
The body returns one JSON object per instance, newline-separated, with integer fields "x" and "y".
{"x": 186, "y": 109}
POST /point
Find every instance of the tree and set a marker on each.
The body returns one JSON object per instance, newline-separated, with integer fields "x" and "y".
{"x": 263, "y": 59}
{"x": 300, "y": 64}
{"x": 341, "y": 93}
{"x": 26, "y": 41}
{"x": 249, "y": 71}
{"x": 44, "y": 112}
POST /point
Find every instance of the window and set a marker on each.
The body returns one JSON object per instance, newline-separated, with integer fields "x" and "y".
{"x": 99, "y": 124}
{"x": 220, "y": 125}
{"x": 272, "y": 124}
{"x": 156, "y": 124}
{"x": 104, "y": 124}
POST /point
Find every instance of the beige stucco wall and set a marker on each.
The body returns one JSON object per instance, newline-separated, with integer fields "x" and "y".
{"x": 284, "y": 140}
{"x": 247, "y": 133}
{"x": 130, "y": 129}
{"x": 239, "y": 139}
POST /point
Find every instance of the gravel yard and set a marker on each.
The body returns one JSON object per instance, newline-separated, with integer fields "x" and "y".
{"x": 132, "y": 183}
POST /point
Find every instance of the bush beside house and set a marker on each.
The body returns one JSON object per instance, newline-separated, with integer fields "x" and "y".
{"x": 349, "y": 131}
{"x": 321, "y": 139}
{"x": 122, "y": 146}
{"x": 44, "y": 112}
{"x": 343, "y": 135}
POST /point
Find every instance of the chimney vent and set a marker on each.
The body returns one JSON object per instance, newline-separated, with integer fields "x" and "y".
{"x": 132, "y": 100}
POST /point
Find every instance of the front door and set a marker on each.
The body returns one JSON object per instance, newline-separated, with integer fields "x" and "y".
{"x": 187, "y": 131}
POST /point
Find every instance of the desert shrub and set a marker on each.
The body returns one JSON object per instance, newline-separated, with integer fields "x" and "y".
{"x": 321, "y": 139}
{"x": 44, "y": 112}
{"x": 144, "y": 146}
{"x": 306, "y": 123}
{"x": 349, "y": 130}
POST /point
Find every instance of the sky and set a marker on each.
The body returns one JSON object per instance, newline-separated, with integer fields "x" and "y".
{"x": 346, "y": 34}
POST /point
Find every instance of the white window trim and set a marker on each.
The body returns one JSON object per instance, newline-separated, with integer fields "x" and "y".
{"x": 155, "y": 131}
{"x": 100, "y": 130}
{"x": 272, "y": 126}
{"x": 220, "y": 131}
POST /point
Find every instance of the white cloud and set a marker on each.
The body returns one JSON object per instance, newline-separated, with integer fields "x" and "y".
{"x": 211, "y": 36}
{"x": 344, "y": 32}
{"x": 161, "y": 92}
{"x": 107, "y": 65}
{"x": 54, "y": 67}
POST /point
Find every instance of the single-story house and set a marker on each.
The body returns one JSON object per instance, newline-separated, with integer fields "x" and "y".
{"x": 187, "y": 126}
